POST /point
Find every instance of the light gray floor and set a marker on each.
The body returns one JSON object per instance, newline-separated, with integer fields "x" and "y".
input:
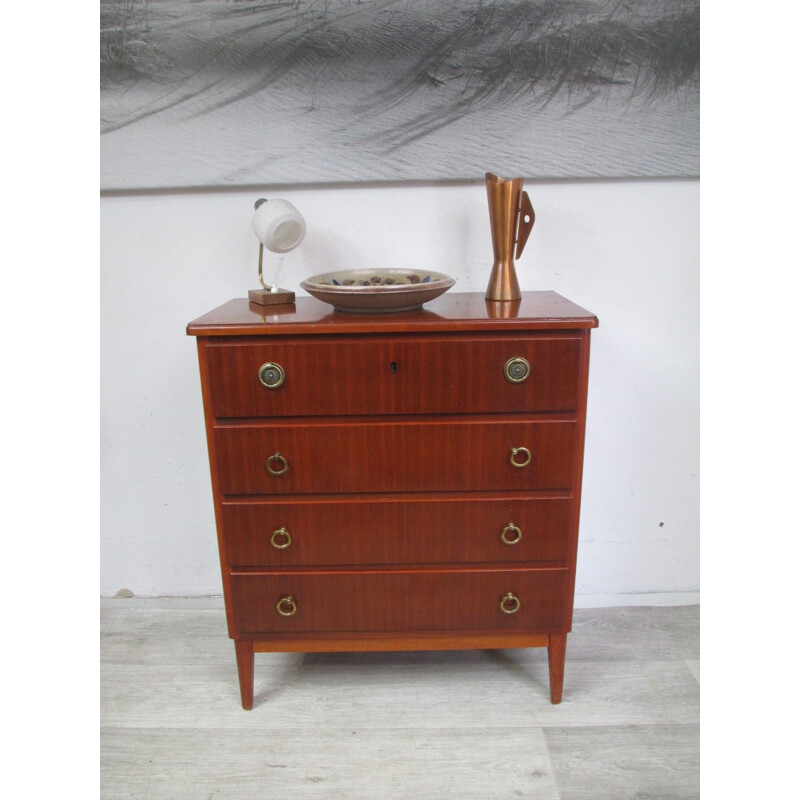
{"x": 471, "y": 724}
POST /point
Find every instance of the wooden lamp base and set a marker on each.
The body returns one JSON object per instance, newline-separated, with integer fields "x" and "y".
{"x": 264, "y": 297}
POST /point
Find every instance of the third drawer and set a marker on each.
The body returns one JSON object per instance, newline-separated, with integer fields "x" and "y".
{"x": 397, "y": 530}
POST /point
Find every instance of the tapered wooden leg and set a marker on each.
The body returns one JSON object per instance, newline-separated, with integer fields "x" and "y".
{"x": 556, "y": 653}
{"x": 244, "y": 661}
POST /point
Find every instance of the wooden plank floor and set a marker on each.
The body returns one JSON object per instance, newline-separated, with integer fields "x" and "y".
{"x": 471, "y": 724}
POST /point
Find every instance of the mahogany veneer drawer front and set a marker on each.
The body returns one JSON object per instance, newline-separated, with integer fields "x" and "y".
{"x": 393, "y": 529}
{"x": 368, "y": 601}
{"x": 390, "y": 481}
{"x": 406, "y": 456}
{"x": 400, "y": 375}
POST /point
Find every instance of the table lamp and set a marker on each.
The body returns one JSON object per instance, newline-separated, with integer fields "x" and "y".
{"x": 279, "y": 227}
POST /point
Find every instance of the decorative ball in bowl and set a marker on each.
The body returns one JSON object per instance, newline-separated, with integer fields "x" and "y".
{"x": 372, "y": 291}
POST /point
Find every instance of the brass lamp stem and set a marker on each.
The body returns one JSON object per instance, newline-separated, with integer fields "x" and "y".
{"x": 261, "y": 268}
{"x": 268, "y": 295}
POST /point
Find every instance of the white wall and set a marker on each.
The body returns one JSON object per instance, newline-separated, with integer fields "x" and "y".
{"x": 625, "y": 250}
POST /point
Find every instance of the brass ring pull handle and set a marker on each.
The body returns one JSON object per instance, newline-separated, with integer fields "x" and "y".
{"x": 277, "y": 459}
{"x": 286, "y": 606}
{"x": 511, "y": 534}
{"x": 510, "y": 603}
{"x": 280, "y": 539}
{"x": 271, "y": 375}
{"x": 524, "y": 457}
{"x": 517, "y": 369}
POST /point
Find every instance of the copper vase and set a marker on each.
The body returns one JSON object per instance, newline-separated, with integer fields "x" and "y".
{"x": 511, "y": 218}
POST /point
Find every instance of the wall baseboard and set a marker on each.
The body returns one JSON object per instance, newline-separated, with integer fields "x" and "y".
{"x": 581, "y": 601}
{"x": 213, "y": 601}
{"x": 638, "y": 599}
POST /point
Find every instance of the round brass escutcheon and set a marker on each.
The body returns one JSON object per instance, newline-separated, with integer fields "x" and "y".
{"x": 511, "y": 534}
{"x": 517, "y": 369}
{"x": 510, "y": 603}
{"x": 271, "y": 375}
{"x": 286, "y": 606}
{"x": 282, "y": 463}
{"x": 520, "y": 457}
{"x": 280, "y": 539}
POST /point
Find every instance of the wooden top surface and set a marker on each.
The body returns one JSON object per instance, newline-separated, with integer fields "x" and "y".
{"x": 452, "y": 312}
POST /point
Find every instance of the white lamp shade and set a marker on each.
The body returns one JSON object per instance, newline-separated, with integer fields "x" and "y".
{"x": 279, "y": 226}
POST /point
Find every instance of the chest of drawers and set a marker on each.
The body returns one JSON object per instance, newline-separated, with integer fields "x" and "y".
{"x": 396, "y": 481}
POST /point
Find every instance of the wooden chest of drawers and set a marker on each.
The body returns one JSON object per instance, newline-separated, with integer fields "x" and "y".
{"x": 397, "y": 481}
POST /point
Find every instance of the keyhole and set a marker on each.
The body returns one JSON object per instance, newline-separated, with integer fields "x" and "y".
{"x": 393, "y": 366}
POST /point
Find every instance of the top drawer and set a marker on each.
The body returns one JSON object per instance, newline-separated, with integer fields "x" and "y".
{"x": 394, "y": 375}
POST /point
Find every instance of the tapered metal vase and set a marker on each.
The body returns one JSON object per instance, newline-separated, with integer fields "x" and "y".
{"x": 511, "y": 218}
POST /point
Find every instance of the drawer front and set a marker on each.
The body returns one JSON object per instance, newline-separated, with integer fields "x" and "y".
{"x": 395, "y": 530}
{"x": 393, "y": 376}
{"x": 338, "y": 602}
{"x": 394, "y": 456}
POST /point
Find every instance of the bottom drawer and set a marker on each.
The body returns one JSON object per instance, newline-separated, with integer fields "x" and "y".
{"x": 401, "y": 600}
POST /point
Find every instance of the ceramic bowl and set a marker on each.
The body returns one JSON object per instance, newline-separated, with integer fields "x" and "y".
{"x": 373, "y": 291}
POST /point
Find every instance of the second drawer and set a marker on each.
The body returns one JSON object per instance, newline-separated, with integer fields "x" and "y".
{"x": 396, "y": 530}
{"x": 436, "y": 456}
